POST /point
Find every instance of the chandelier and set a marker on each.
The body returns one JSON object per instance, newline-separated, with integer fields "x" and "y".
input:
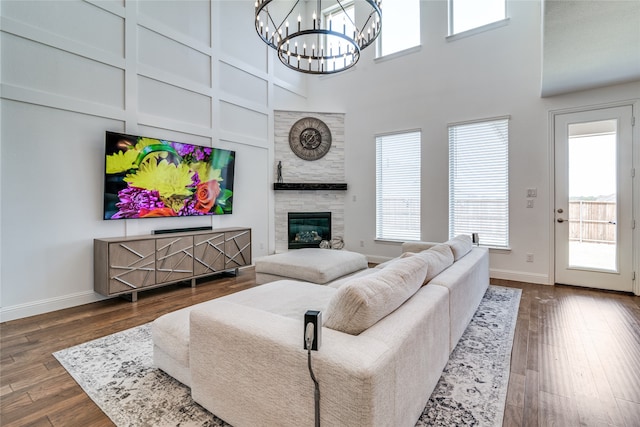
{"x": 318, "y": 39}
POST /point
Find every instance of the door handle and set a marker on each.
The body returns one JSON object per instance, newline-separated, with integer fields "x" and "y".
{"x": 560, "y": 220}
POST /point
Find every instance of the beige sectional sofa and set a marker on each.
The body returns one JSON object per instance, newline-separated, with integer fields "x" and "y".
{"x": 387, "y": 335}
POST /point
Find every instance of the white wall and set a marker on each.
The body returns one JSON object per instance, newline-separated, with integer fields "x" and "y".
{"x": 195, "y": 71}
{"x": 490, "y": 74}
{"x": 191, "y": 71}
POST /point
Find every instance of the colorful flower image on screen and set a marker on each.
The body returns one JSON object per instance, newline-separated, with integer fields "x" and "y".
{"x": 147, "y": 177}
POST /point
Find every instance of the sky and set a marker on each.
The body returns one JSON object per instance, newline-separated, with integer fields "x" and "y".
{"x": 592, "y": 165}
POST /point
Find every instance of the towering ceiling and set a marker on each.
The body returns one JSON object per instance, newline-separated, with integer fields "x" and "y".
{"x": 589, "y": 44}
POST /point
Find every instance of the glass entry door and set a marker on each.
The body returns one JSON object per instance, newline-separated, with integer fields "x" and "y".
{"x": 593, "y": 204}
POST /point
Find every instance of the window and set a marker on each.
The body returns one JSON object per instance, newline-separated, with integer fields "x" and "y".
{"x": 400, "y": 26}
{"x": 479, "y": 180}
{"x": 468, "y": 14}
{"x": 398, "y": 186}
{"x": 340, "y": 19}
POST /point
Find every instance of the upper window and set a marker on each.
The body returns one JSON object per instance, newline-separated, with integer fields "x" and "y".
{"x": 469, "y": 14}
{"x": 479, "y": 180}
{"x": 400, "y": 26}
{"x": 398, "y": 186}
{"x": 341, "y": 19}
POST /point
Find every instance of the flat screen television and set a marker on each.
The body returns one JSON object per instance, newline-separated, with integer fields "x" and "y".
{"x": 148, "y": 177}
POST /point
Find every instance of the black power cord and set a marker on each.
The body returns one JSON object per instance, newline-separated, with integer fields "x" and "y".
{"x": 309, "y": 340}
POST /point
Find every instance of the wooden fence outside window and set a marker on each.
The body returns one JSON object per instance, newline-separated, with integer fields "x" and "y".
{"x": 592, "y": 221}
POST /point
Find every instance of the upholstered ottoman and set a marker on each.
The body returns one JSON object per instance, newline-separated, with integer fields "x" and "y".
{"x": 314, "y": 265}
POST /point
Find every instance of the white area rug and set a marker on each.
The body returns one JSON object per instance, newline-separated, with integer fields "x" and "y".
{"x": 117, "y": 372}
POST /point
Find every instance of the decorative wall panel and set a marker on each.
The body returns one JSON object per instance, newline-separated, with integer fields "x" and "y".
{"x": 171, "y": 56}
{"x": 174, "y": 103}
{"x": 73, "y": 20}
{"x": 42, "y": 68}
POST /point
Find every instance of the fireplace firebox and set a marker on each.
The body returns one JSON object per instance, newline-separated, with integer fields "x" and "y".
{"x": 308, "y": 229}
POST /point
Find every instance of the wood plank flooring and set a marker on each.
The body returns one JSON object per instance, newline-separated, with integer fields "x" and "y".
{"x": 575, "y": 360}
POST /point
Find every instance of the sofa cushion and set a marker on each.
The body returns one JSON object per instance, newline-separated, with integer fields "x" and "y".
{"x": 438, "y": 258}
{"x": 363, "y": 301}
{"x": 392, "y": 260}
{"x": 417, "y": 246}
{"x": 460, "y": 245}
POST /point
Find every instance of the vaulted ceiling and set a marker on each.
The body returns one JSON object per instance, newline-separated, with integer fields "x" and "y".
{"x": 588, "y": 44}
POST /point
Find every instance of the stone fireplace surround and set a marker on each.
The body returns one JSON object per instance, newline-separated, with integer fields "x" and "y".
{"x": 328, "y": 169}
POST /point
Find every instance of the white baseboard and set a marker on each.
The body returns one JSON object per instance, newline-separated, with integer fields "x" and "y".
{"x": 45, "y": 306}
{"x": 519, "y": 276}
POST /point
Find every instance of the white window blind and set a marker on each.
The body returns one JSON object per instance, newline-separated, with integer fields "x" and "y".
{"x": 398, "y": 186}
{"x": 479, "y": 181}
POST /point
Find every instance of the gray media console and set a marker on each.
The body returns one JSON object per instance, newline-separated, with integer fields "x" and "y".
{"x": 128, "y": 265}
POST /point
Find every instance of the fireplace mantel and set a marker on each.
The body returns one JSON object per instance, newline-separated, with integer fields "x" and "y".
{"x": 309, "y": 186}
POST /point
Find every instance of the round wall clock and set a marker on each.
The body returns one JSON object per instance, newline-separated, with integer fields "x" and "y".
{"x": 310, "y": 138}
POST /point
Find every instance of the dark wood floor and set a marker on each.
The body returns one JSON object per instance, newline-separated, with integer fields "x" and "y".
{"x": 575, "y": 361}
{"x": 575, "y": 358}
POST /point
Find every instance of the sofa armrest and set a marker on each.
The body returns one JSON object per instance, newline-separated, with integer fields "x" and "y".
{"x": 467, "y": 281}
{"x": 249, "y": 367}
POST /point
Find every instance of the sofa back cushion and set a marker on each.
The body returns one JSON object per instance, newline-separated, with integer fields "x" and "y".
{"x": 416, "y": 247}
{"x": 363, "y": 301}
{"x": 460, "y": 245}
{"x": 438, "y": 258}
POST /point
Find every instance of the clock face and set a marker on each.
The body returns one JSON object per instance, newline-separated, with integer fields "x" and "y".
{"x": 310, "y": 138}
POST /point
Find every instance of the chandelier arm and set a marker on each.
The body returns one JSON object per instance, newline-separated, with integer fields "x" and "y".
{"x": 265, "y": 8}
{"x": 365, "y": 25}
{"x": 288, "y": 14}
{"x": 375, "y": 11}
{"x": 346, "y": 14}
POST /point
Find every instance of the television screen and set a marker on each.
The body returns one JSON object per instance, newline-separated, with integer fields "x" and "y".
{"x": 148, "y": 177}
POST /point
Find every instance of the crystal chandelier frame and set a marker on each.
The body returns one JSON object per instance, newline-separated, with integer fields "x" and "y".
{"x": 315, "y": 44}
